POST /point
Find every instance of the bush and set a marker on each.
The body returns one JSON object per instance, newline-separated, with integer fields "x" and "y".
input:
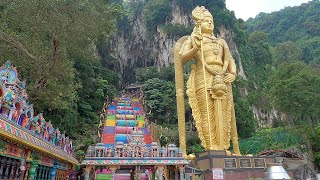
{"x": 177, "y": 30}
{"x": 155, "y": 13}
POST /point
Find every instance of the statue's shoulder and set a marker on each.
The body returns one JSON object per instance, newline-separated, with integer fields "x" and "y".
{"x": 181, "y": 42}
{"x": 221, "y": 41}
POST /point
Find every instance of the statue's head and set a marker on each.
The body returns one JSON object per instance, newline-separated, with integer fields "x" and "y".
{"x": 203, "y": 18}
{"x": 200, "y": 13}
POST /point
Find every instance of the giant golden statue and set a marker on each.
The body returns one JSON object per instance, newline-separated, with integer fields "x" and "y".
{"x": 209, "y": 86}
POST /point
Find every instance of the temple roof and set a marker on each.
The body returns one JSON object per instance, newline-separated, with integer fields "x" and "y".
{"x": 19, "y": 126}
{"x": 18, "y": 135}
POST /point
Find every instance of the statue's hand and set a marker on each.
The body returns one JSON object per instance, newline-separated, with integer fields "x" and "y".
{"x": 196, "y": 40}
{"x": 229, "y": 77}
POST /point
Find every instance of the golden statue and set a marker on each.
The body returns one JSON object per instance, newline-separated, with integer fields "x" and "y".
{"x": 209, "y": 86}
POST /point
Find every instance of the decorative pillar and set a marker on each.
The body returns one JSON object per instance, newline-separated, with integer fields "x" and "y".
{"x": 137, "y": 172}
{"x": 39, "y": 172}
{"x": 53, "y": 172}
{"x": 56, "y": 177}
{"x": 7, "y": 173}
{"x": 13, "y": 169}
{"x": 74, "y": 175}
{"x": 18, "y": 171}
{"x": 44, "y": 171}
{"x": 182, "y": 174}
{"x": 27, "y": 171}
{"x": 33, "y": 170}
{"x": 113, "y": 171}
{"x": 152, "y": 174}
{"x": 160, "y": 172}
{"x": 69, "y": 175}
{"x": 22, "y": 168}
{"x": 3, "y": 167}
{"x": 47, "y": 176}
{"x": 87, "y": 172}
{"x": 176, "y": 173}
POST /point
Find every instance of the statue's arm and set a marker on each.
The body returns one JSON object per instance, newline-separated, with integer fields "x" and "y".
{"x": 188, "y": 50}
{"x": 228, "y": 57}
{"x": 232, "y": 69}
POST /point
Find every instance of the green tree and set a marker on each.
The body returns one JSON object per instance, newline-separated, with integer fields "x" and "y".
{"x": 53, "y": 44}
{"x": 295, "y": 89}
{"x": 287, "y": 52}
{"x": 159, "y": 100}
{"x": 155, "y": 13}
{"x": 311, "y": 50}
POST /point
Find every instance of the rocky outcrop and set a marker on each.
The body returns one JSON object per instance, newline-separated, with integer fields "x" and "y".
{"x": 140, "y": 50}
{"x": 135, "y": 48}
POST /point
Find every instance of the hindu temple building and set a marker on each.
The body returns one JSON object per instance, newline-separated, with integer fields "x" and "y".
{"x": 30, "y": 147}
{"x": 128, "y": 150}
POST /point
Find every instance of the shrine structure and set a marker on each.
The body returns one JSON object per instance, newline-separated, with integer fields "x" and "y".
{"x": 30, "y": 147}
{"x": 128, "y": 150}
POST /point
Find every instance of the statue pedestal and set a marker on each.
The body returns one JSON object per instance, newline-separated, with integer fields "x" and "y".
{"x": 217, "y": 164}
{"x": 211, "y": 159}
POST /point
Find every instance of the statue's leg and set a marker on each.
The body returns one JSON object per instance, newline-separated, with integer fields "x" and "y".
{"x": 208, "y": 124}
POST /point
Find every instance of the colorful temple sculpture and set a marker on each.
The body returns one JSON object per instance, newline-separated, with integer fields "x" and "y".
{"x": 128, "y": 150}
{"x": 30, "y": 147}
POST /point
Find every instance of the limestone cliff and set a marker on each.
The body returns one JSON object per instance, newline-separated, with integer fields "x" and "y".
{"x": 134, "y": 48}
{"x": 140, "y": 50}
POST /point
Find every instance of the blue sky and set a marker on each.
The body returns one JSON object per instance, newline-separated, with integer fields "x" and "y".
{"x": 250, "y": 8}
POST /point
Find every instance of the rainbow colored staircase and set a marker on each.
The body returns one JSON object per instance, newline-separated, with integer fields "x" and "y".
{"x": 123, "y": 116}
{"x": 128, "y": 150}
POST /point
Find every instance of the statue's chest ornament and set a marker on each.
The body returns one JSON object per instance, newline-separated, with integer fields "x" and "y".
{"x": 215, "y": 47}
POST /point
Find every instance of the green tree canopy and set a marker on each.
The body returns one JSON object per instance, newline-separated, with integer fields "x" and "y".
{"x": 53, "y": 44}
{"x": 159, "y": 100}
{"x": 287, "y": 52}
{"x": 295, "y": 89}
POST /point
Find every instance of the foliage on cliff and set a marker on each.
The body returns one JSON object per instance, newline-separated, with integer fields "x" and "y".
{"x": 293, "y": 29}
{"x": 52, "y": 43}
{"x": 285, "y": 51}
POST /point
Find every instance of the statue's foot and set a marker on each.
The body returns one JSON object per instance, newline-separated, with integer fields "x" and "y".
{"x": 228, "y": 153}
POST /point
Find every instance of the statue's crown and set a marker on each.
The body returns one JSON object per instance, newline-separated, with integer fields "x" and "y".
{"x": 199, "y": 13}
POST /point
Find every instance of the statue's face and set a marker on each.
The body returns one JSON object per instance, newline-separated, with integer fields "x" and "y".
{"x": 207, "y": 25}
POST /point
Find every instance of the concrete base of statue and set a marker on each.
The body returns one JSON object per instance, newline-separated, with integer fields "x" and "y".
{"x": 219, "y": 165}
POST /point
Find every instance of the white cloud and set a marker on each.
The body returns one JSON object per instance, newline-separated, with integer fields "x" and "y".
{"x": 250, "y": 8}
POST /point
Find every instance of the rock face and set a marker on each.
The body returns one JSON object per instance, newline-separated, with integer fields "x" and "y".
{"x": 141, "y": 50}
{"x": 134, "y": 48}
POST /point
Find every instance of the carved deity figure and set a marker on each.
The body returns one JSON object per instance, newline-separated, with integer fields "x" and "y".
{"x": 37, "y": 129}
{"x": 16, "y": 116}
{"x": 209, "y": 86}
